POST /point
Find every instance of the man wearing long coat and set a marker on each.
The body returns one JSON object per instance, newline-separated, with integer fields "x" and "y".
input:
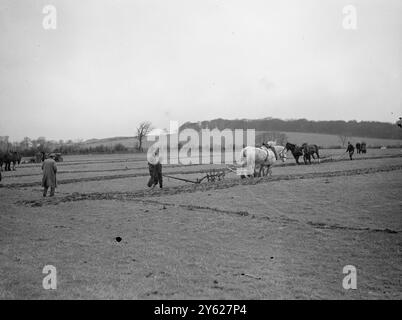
{"x": 155, "y": 168}
{"x": 49, "y": 175}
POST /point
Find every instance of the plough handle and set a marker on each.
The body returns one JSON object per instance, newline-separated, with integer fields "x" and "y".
{"x": 186, "y": 180}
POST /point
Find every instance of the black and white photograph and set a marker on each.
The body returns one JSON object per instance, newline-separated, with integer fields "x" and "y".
{"x": 200, "y": 150}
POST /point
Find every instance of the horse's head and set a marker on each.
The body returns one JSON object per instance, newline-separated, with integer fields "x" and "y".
{"x": 289, "y": 146}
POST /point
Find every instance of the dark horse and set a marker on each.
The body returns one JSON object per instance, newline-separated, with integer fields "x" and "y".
{"x": 308, "y": 151}
{"x": 358, "y": 147}
{"x": 296, "y": 151}
{"x": 9, "y": 157}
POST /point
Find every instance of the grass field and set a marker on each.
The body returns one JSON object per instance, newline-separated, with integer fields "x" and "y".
{"x": 286, "y": 236}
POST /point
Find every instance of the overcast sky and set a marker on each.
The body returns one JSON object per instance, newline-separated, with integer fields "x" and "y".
{"x": 111, "y": 64}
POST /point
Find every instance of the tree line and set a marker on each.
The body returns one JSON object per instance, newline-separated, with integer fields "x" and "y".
{"x": 30, "y": 147}
{"x": 369, "y": 129}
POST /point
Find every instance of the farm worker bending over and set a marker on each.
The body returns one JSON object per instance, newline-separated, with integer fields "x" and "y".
{"x": 351, "y": 150}
{"x": 49, "y": 175}
{"x": 155, "y": 168}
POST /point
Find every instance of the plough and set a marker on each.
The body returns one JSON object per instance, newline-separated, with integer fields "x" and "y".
{"x": 211, "y": 176}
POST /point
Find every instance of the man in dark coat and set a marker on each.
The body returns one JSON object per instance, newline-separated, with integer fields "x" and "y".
{"x": 155, "y": 169}
{"x": 351, "y": 150}
{"x": 49, "y": 175}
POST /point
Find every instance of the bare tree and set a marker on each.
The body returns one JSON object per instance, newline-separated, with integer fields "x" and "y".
{"x": 143, "y": 129}
{"x": 343, "y": 139}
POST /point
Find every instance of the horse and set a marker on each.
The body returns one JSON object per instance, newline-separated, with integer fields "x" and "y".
{"x": 253, "y": 157}
{"x": 363, "y": 148}
{"x": 358, "y": 147}
{"x": 295, "y": 150}
{"x": 308, "y": 151}
{"x": 281, "y": 151}
{"x": 9, "y": 157}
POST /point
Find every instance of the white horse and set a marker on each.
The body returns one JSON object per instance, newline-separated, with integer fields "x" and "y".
{"x": 280, "y": 150}
{"x": 252, "y": 158}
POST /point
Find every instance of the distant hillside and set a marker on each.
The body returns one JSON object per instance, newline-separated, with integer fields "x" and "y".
{"x": 365, "y": 129}
{"x": 322, "y": 140}
{"x": 323, "y": 133}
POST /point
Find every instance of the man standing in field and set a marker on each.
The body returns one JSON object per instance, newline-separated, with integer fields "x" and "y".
{"x": 155, "y": 168}
{"x": 49, "y": 175}
{"x": 351, "y": 150}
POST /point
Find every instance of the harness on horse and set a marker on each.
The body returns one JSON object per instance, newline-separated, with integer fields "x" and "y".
{"x": 273, "y": 150}
{"x": 266, "y": 158}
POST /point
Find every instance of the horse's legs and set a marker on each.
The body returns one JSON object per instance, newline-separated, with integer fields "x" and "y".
{"x": 318, "y": 156}
{"x": 259, "y": 172}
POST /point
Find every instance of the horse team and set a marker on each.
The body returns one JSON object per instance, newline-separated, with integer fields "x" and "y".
{"x": 307, "y": 151}
{"x": 361, "y": 147}
{"x": 257, "y": 161}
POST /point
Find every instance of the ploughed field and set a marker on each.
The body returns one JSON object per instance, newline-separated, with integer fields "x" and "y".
{"x": 284, "y": 236}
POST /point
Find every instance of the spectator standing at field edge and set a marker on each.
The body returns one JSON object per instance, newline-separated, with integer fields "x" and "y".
{"x": 49, "y": 175}
{"x": 351, "y": 150}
